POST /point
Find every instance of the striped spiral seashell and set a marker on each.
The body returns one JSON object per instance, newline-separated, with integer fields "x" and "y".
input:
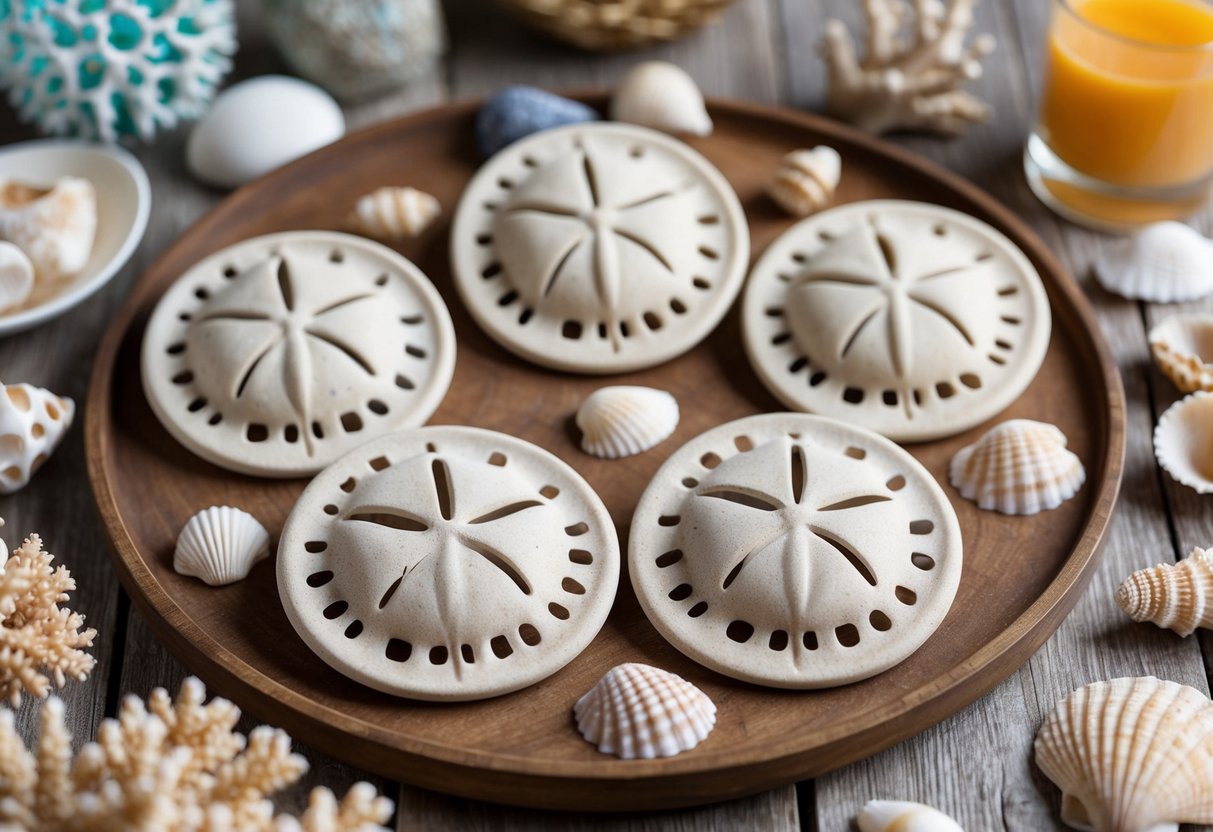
{"x": 806, "y": 180}
{"x": 1018, "y": 467}
{"x": 392, "y": 213}
{"x": 1172, "y": 595}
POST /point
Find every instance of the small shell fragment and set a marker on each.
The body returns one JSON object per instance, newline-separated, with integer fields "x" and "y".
{"x": 662, "y": 96}
{"x": 1018, "y": 467}
{"x": 1177, "y": 596}
{"x": 904, "y": 816}
{"x": 54, "y": 226}
{"x": 1183, "y": 442}
{"x": 220, "y": 545}
{"x": 616, "y": 422}
{"x": 33, "y": 422}
{"x": 806, "y": 180}
{"x": 636, "y": 711}
{"x": 391, "y": 213}
{"x": 16, "y": 277}
{"x": 1183, "y": 349}
{"x": 1166, "y": 262}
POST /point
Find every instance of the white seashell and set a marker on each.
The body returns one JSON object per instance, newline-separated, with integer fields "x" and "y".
{"x": 662, "y": 96}
{"x": 636, "y": 711}
{"x": 54, "y": 226}
{"x": 904, "y": 816}
{"x": 1183, "y": 349}
{"x": 806, "y": 180}
{"x": 1166, "y": 262}
{"x": 394, "y": 213}
{"x": 1018, "y": 467}
{"x": 622, "y": 421}
{"x": 1183, "y": 442}
{"x": 1131, "y": 755}
{"x": 1172, "y": 595}
{"x": 219, "y": 545}
{"x": 32, "y": 424}
{"x": 16, "y": 276}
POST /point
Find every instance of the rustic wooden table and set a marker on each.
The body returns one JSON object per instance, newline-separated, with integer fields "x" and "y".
{"x": 977, "y": 765}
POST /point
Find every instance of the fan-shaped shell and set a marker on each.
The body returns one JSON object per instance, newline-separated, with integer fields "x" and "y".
{"x": 33, "y": 422}
{"x": 1131, "y": 755}
{"x": 904, "y": 816}
{"x": 1183, "y": 442}
{"x": 1166, "y": 262}
{"x": 394, "y": 213}
{"x": 16, "y": 276}
{"x": 806, "y": 180}
{"x": 1172, "y": 595}
{"x": 637, "y": 711}
{"x": 662, "y": 96}
{"x": 1183, "y": 349}
{"x": 219, "y": 545}
{"x": 622, "y": 421}
{"x": 54, "y": 226}
{"x": 1018, "y": 467}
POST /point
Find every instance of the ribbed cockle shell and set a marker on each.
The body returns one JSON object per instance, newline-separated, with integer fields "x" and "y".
{"x": 1183, "y": 350}
{"x": 219, "y": 545}
{"x": 1177, "y": 596}
{"x": 1018, "y": 467}
{"x": 1167, "y": 262}
{"x": 622, "y": 421}
{"x": 805, "y": 181}
{"x": 390, "y": 213}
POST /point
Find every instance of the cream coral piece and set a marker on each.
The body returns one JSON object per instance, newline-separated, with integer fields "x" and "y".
{"x": 448, "y": 563}
{"x": 908, "y": 82}
{"x": 1183, "y": 350}
{"x": 617, "y": 422}
{"x": 794, "y": 551}
{"x": 904, "y": 816}
{"x": 16, "y": 277}
{"x": 1018, "y": 467}
{"x": 638, "y": 712}
{"x": 33, "y": 422}
{"x": 599, "y": 248}
{"x": 1183, "y": 442}
{"x": 167, "y": 765}
{"x": 663, "y": 96}
{"x": 394, "y": 213}
{"x": 219, "y": 545}
{"x": 806, "y": 180}
{"x": 41, "y": 643}
{"x": 1166, "y": 262}
{"x": 1131, "y": 755}
{"x": 54, "y": 226}
{"x": 1172, "y": 595}
{"x": 909, "y": 319}
{"x": 275, "y": 356}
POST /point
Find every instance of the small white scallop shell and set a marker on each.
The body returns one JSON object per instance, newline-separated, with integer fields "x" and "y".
{"x": 662, "y": 96}
{"x": 904, "y": 816}
{"x": 1131, "y": 755}
{"x": 391, "y": 213}
{"x": 1018, "y": 467}
{"x": 220, "y": 545}
{"x": 33, "y": 422}
{"x": 636, "y": 711}
{"x": 1166, "y": 262}
{"x": 1183, "y": 349}
{"x": 54, "y": 226}
{"x": 16, "y": 276}
{"x": 806, "y": 180}
{"x": 1178, "y": 596}
{"x": 1183, "y": 442}
{"x": 622, "y": 421}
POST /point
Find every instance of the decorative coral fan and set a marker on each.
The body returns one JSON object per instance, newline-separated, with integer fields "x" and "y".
{"x": 114, "y": 68}
{"x": 168, "y": 766}
{"x": 40, "y": 641}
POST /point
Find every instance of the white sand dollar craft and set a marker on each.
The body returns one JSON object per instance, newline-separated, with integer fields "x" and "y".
{"x": 909, "y": 319}
{"x": 279, "y": 354}
{"x": 599, "y": 248}
{"x": 794, "y": 551}
{"x": 448, "y": 563}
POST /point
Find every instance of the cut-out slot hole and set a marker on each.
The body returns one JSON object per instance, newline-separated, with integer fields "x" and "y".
{"x": 744, "y": 444}
{"x": 855, "y": 453}
{"x": 709, "y": 252}
{"x": 1007, "y": 291}
{"x": 581, "y": 556}
{"x": 856, "y": 502}
{"x": 741, "y": 498}
{"x": 349, "y": 485}
{"x": 571, "y": 330}
{"x": 572, "y": 587}
{"x": 921, "y": 527}
{"x": 817, "y": 378}
{"x": 669, "y": 558}
{"x": 680, "y": 592}
{"x": 315, "y": 547}
{"x": 439, "y": 655}
{"x": 1002, "y": 344}
{"x": 558, "y": 611}
{"x": 576, "y": 530}
{"x": 381, "y": 280}
{"x": 525, "y": 316}
{"x": 852, "y": 395}
{"x": 398, "y": 650}
{"x": 183, "y": 377}
{"x": 709, "y": 460}
{"x": 351, "y": 422}
{"x": 896, "y": 483}
{"x": 354, "y": 630}
{"x": 379, "y": 463}
{"x": 709, "y": 219}
{"x": 740, "y": 631}
{"x": 201, "y": 293}
{"x": 1010, "y": 319}
{"x": 504, "y": 511}
{"x": 945, "y": 390}
{"x": 781, "y": 338}
{"x": 317, "y": 430}
{"x": 484, "y": 239}
{"x": 652, "y": 321}
{"x": 497, "y": 459}
{"x": 997, "y": 359}
{"x": 501, "y": 648}
{"x": 468, "y": 654}
{"x": 391, "y": 590}
{"x": 847, "y": 635}
{"x": 230, "y": 272}
{"x": 677, "y": 306}
{"x": 529, "y": 634}
{"x": 377, "y": 407}
{"x": 549, "y": 492}
{"x": 256, "y": 432}
{"x": 175, "y": 349}
{"x": 971, "y": 380}
{"x": 778, "y": 640}
{"x": 415, "y": 351}
{"x": 699, "y": 609}
{"x": 668, "y": 520}
{"x": 798, "y": 365}
{"x": 319, "y": 579}
{"x": 508, "y": 298}
{"x": 336, "y": 256}
{"x": 923, "y": 562}
{"x": 774, "y": 311}
{"x": 404, "y": 383}
{"x": 689, "y": 482}
{"x": 491, "y": 270}
{"x": 880, "y": 621}
{"x": 442, "y": 487}
{"x": 331, "y": 510}
{"x": 853, "y": 557}
{"x": 906, "y": 595}
{"x": 701, "y": 283}
{"x": 399, "y": 522}
{"x": 799, "y": 473}
{"x": 335, "y": 610}
{"x": 197, "y": 404}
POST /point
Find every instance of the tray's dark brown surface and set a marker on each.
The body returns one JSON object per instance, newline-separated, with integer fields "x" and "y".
{"x": 1021, "y": 575}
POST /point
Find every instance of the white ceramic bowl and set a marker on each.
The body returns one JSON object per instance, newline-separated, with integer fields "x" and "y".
{"x": 124, "y": 200}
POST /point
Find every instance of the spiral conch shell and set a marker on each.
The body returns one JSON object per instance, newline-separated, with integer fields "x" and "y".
{"x": 1018, "y": 467}
{"x": 391, "y": 213}
{"x": 640, "y": 712}
{"x": 1183, "y": 350}
{"x": 623, "y": 421}
{"x": 1131, "y": 755}
{"x": 1166, "y": 262}
{"x": 54, "y": 226}
{"x": 904, "y": 816}
{"x": 662, "y": 96}
{"x": 220, "y": 545}
{"x": 806, "y": 180}
{"x": 1172, "y": 595}
{"x": 33, "y": 422}
{"x": 16, "y": 276}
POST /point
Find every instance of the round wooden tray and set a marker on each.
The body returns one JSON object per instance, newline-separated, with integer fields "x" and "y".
{"x": 1021, "y": 575}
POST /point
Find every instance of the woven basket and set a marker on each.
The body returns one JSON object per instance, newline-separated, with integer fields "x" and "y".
{"x": 612, "y": 25}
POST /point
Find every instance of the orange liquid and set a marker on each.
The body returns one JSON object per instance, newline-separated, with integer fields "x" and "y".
{"x": 1122, "y": 111}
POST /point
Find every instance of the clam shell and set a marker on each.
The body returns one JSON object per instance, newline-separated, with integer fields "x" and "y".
{"x": 219, "y": 545}
{"x": 662, "y": 96}
{"x": 1018, "y": 467}
{"x": 622, "y": 421}
{"x": 16, "y": 276}
{"x": 54, "y": 226}
{"x": 1183, "y": 442}
{"x": 1166, "y": 262}
{"x": 904, "y": 816}
{"x": 806, "y": 180}
{"x": 640, "y": 712}
{"x": 1172, "y": 595}
{"x": 33, "y": 422}
{"x": 1183, "y": 348}
{"x": 1131, "y": 755}
{"x": 394, "y": 213}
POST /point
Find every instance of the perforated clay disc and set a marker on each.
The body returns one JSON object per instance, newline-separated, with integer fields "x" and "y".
{"x": 794, "y": 551}
{"x": 910, "y": 319}
{"x": 599, "y": 248}
{"x": 448, "y": 563}
{"x": 279, "y": 354}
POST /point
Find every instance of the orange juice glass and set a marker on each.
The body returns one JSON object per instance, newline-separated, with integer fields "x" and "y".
{"x": 1125, "y": 128}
